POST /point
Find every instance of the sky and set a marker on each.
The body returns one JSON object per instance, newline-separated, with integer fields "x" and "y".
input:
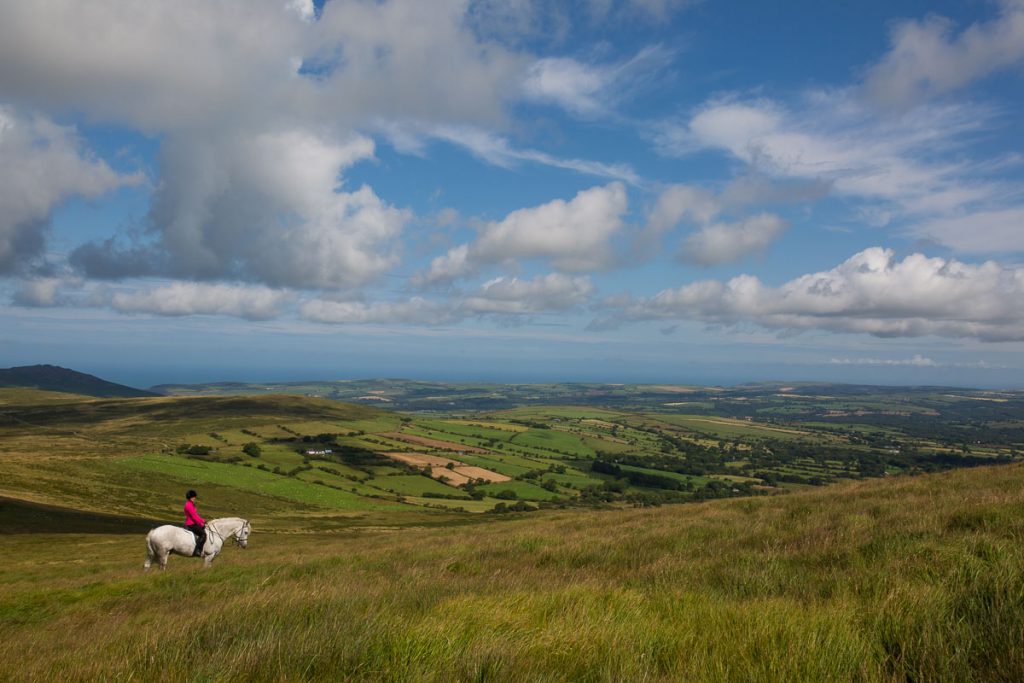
{"x": 688, "y": 191}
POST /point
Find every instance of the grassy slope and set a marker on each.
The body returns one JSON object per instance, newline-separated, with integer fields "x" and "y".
{"x": 902, "y": 579}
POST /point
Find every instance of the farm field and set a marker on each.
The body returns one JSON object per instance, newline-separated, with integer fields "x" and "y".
{"x": 487, "y": 545}
{"x": 338, "y": 458}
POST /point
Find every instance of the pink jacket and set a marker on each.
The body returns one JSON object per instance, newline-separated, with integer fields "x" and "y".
{"x": 191, "y": 516}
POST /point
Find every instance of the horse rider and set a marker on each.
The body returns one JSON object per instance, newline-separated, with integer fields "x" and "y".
{"x": 195, "y": 523}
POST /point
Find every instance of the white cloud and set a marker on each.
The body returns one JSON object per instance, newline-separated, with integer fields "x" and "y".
{"x": 416, "y": 311}
{"x": 182, "y": 64}
{"x": 497, "y": 150}
{"x": 575, "y": 236}
{"x": 590, "y": 89}
{"x": 720, "y": 243}
{"x": 918, "y": 361}
{"x": 41, "y": 292}
{"x": 501, "y": 297}
{"x": 255, "y": 103}
{"x": 837, "y": 141}
{"x": 712, "y": 243}
{"x": 41, "y": 165}
{"x": 872, "y": 292}
{"x": 907, "y": 168}
{"x": 996, "y": 230}
{"x": 552, "y": 292}
{"x": 928, "y": 58}
{"x": 193, "y": 298}
{"x": 682, "y": 202}
{"x": 574, "y": 86}
{"x": 265, "y": 207}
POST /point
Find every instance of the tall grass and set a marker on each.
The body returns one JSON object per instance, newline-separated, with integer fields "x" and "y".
{"x": 909, "y": 579}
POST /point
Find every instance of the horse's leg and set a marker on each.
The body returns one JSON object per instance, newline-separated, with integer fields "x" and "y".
{"x": 162, "y": 558}
{"x": 208, "y": 560}
{"x": 149, "y": 555}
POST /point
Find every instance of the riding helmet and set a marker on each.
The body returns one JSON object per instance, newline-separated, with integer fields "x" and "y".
{"x": 190, "y": 494}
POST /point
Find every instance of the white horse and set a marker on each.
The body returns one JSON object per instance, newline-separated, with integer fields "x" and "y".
{"x": 167, "y": 539}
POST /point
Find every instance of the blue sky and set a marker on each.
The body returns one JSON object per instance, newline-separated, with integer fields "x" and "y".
{"x": 516, "y": 190}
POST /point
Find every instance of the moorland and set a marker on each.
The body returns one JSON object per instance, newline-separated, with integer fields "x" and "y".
{"x": 571, "y": 532}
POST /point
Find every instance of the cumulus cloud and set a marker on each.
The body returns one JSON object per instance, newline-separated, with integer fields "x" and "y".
{"x": 188, "y": 64}
{"x": 194, "y": 298}
{"x": 720, "y": 243}
{"x": 574, "y": 235}
{"x": 713, "y": 243}
{"x": 682, "y": 202}
{"x": 256, "y": 104}
{"x": 41, "y": 165}
{"x": 264, "y": 208}
{"x": 872, "y": 292}
{"x": 929, "y": 58}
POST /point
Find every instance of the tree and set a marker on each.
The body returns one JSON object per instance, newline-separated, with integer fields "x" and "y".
{"x": 252, "y": 449}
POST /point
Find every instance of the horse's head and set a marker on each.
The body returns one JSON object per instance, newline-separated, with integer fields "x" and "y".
{"x": 242, "y": 537}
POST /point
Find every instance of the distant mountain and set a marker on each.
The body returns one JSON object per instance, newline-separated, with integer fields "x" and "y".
{"x": 55, "y": 378}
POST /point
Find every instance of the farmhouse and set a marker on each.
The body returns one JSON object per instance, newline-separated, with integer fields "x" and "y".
{"x": 319, "y": 451}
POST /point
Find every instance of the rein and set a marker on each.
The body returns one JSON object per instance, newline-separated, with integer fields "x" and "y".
{"x": 220, "y": 535}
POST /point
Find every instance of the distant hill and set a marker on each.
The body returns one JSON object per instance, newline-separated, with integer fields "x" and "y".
{"x": 55, "y": 378}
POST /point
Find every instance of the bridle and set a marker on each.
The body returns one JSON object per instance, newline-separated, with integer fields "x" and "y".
{"x": 234, "y": 534}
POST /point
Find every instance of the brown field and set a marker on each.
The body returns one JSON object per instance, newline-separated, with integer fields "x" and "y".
{"x": 421, "y": 459}
{"x": 433, "y": 443}
{"x": 457, "y": 475}
{"x": 480, "y": 473}
{"x": 447, "y": 476}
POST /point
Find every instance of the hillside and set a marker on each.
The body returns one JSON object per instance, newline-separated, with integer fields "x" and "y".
{"x": 58, "y": 379}
{"x": 304, "y": 463}
{"x": 909, "y": 578}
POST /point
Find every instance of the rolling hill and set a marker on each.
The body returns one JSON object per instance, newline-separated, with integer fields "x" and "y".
{"x": 908, "y": 578}
{"x": 56, "y": 378}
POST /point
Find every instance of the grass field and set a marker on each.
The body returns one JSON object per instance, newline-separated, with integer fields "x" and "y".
{"x": 191, "y": 472}
{"x": 918, "y": 578}
{"x": 523, "y": 489}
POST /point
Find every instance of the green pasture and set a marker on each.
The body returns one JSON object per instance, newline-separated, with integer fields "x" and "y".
{"x": 415, "y": 485}
{"x": 458, "y": 429}
{"x": 724, "y": 429}
{"x": 188, "y": 471}
{"x": 546, "y": 413}
{"x": 552, "y": 440}
{"x": 696, "y": 480}
{"x": 572, "y": 477}
{"x": 523, "y": 489}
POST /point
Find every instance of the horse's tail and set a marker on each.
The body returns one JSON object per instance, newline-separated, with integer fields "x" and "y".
{"x": 150, "y": 551}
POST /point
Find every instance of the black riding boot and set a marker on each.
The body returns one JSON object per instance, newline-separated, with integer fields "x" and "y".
{"x": 200, "y": 534}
